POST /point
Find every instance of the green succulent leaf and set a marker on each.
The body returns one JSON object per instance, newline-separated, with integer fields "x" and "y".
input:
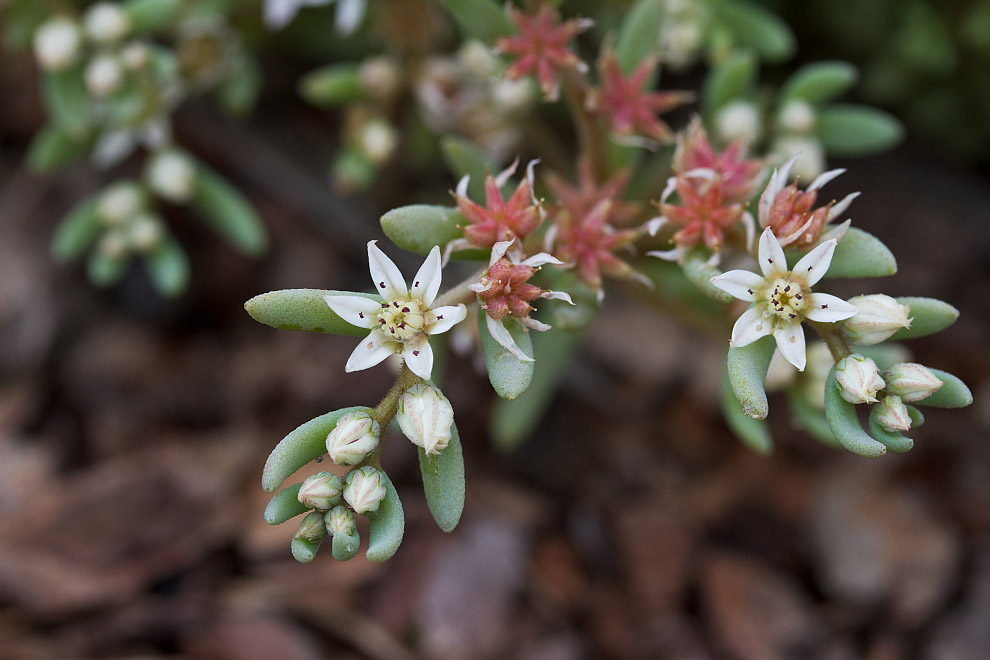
{"x": 747, "y": 372}
{"x": 757, "y": 28}
{"x": 819, "y": 82}
{"x": 857, "y": 130}
{"x": 928, "y": 316}
{"x": 53, "y": 148}
{"x": 482, "y": 19}
{"x": 893, "y": 441}
{"x": 77, "y": 231}
{"x": 239, "y": 91}
{"x": 168, "y": 267}
{"x": 149, "y": 16}
{"x": 67, "y": 101}
{"x": 842, "y": 419}
{"x": 463, "y": 158}
{"x": 345, "y": 547}
{"x": 860, "y": 254}
{"x": 953, "y": 394}
{"x": 333, "y": 85}
{"x": 810, "y": 418}
{"x": 306, "y": 443}
{"x": 443, "y": 482}
{"x": 284, "y": 505}
{"x": 303, "y": 310}
{"x": 699, "y": 272}
{"x": 104, "y": 271}
{"x": 639, "y": 33}
{"x": 417, "y": 228}
{"x": 387, "y": 525}
{"x": 754, "y": 433}
{"x": 304, "y": 551}
{"x": 228, "y": 212}
{"x": 732, "y": 79}
{"x": 509, "y": 375}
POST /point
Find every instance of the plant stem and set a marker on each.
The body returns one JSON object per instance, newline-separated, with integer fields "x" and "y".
{"x": 385, "y": 411}
{"x": 833, "y": 338}
{"x": 593, "y": 141}
{"x": 460, "y": 293}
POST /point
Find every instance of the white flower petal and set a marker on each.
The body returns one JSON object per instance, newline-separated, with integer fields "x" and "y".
{"x": 824, "y": 178}
{"x": 531, "y": 178}
{"x": 829, "y": 309}
{"x": 388, "y": 280}
{"x": 278, "y": 13}
{"x": 462, "y": 185}
{"x": 502, "y": 336}
{"x": 777, "y": 182}
{"x": 836, "y": 232}
{"x": 478, "y": 287}
{"x": 815, "y": 264}
{"x": 533, "y": 324}
{"x": 456, "y": 244}
{"x": 502, "y": 177}
{"x": 738, "y": 283}
{"x": 426, "y": 284}
{"x": 794, "y": 235}
{"x": 750, "y": 224}
{"x": 498, "y": 251}
{"x": 356, "y": 310}
{"x": 549, "y": 238}
{"x": 790, "y": 343}
{"x": 669, "y": 189}
{"x": 653, "y": 225}
{"x": 749, "y": 327}
{"x": 839, "y": 208}
{"x": 372, "y": 350}
{"x": 348, "y": 16}
{"x": 419, "y": 358}
{"x": 677, "y": 254}
{"x": 452, "y": 315}
{"x": 772, "y": 258}
{"x": 557, "y": 295}
{"x": 542, "y": 259}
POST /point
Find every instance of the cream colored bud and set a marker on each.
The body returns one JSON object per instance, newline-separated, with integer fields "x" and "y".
{"x": 136, "y": 56}
{"x": 911, "y": 381}
{"x": 381, "y": 77}
{"x": 340, "y": 520}
{"x": 477, "y": 59}
{"x": 105, "y": 22}
{"x": 739, "y": 120}
{"x": 879, "y": 317}
{"x": 513, "y": 95}
{"x": 171, "y": 174}
{"x": 355, "y": 436}
{"x": 104, "y": 75}
{"x": 145, "y": 232}
{"x": 378, "y": 140}
{"x": 681, "y": 42}
{"x": 858, "y": 379}
{"x": 114, "y": 244}
{"x": 365, "y": 489}
{"x": 312, "y": 528}
{"x": 321, "y": 490}
{"x": 119, "y": 203}
{"x": 892, "y": 414}
{"x": 797, "y": 116}
{"x": 810, "y": 155}
{"x": 57, "y": 44}
{"x": 425, "y": 416}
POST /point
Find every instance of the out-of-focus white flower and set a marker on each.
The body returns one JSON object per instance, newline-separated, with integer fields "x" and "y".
{"x": 806, "y": 150}
{"x": 279, "y": 13}
{"x": 171, "y": 174}
{"x": 106, "y": 23}
{"x": 378, "y": 140}
{"x": 104, "y": 75}
{"x": 145, "y": 232}
{"x": 858, "y": 379}
{"x": 911, "y": 381}
{"x": 477, "y": 59}
{"x": 796, "y": 116}
{"x": 739, "y": 120}
{"x": 120, "y": 202}
{"x": 321, "y": 490}
{"x": 365, "y": 489}
{"x": 114, "y": 244}
{"x": 135, "y": 56}
{"x": 892, "y": 414}
{"x": 425, "y": 416}
{"x": 57, "y": 44}
{"x": 380, "y": 77}
{"x": 355, "y": 436}
{"x": 405, "y": 319}
{"x": 879, "y": 317}
{"x": 782, "y": 299}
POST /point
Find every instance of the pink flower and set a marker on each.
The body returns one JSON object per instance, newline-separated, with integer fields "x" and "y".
{"x": 498, "y": 220}
{"x": 738, "y": 175}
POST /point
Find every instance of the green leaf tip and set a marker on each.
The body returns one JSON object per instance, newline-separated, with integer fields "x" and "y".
{"x": 844, "y": 423}
{"x": 928, "y": 316}
{"x": 747, "y": 366}
{"x": 508, "y": 375}
{"x": 861, "y": 254}
{"x": 443, "y": 482}
{"x": 418, "y": 227}
{"x": 953, "y": 394}
{"x": 387, "y": 525}
{"x": 754, "y": 433}
{"x": 284, "y": 505}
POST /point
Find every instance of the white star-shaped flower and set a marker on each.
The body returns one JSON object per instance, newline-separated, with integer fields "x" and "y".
{"x": 782, "y": 299}
{"x": 405, "y": 318}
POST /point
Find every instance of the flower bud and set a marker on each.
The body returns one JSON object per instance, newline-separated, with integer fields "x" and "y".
{"x": 879, "y": 317}
{"x": 104, "y": 75}
{"x": 512, "y": 95}
{"x": 911, "y": 381}
{"x": 312, "y": 528}
{"x": 120, "y": 202}
{"x": 858, "y": 379}
{"x": 354, "y": 437}
{"x": 321, "y": 490}
{"x": 425, "y": 416}
{"x": 365, "y": 489}
{"x": 738, "y": 120}
{"x": 145, "y": 232}
{"x": 340, "y": 520}
{"x": 378, "y": 140}
{"x": 810, "y": 155}
{"x": 135, "y": 56}
{"x": 57, "y": 44}
{"x": 477, "y": 59}
{"x": 171, "y": 174}
{"x": 892, "y": 414}
{"x": 380, "y": 77}
{"x": 105, "y": 22}
{"x": 114, "y": 244}
{"x": 796, "y": 116}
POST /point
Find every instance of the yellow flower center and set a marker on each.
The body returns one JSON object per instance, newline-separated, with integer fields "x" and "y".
{"x": 403, "y": 319}
{"x": 785, "y": 300}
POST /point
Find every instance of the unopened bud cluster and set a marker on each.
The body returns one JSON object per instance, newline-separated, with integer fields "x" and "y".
{"x": 860, "y": 381}
{"x": 130, "y": 226}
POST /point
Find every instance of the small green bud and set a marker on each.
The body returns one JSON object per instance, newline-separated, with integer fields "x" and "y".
{"x": 105, "y": 23}
{"x": 321, "y": 491}
{"x": 739, "y": 120}
{"x": 119, "y": 203}
{"x": 365, "y": 489}
{"x": 171, "y": 175}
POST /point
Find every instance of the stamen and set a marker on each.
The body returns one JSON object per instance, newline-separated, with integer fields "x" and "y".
{"x": 405, "y": 310}
{"x": 381, "y": 284}
{"x": 824, "y": 306}
{"x": 416, "y": 353}
{"x": 360, "y": 315}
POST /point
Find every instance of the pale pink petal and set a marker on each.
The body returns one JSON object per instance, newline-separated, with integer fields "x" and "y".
{"x": 653, "y": 225}
{"x": 542, "y": 259}
{"x": 790, "y": 343}
{"x": 452, "y": 315}
{"x": 557, "y": 295}
{"x": 836, "y": 232}
{"x": 839, "y": 208}
{"x": 456, "y": 244}
{"x": 533, "y": 324}
{"x": 668, "y": 190}
{"x": 462, "y": 186}
{"x": 772, "y": 260}
{"x": 749, "y": 327}
{"x": 501, "y": 335}
{"x": 426, "y": 284}
{"x": 388, "y": 279}
{"x": 738, "y": 283}
{"x": 356, "y": 310}
{"x": 815, "y": 264}
{"x": 419, "y": 358}
{"x": 372, "y": 350}
{"x": 750, "y": 224}
{"x": 498, "y": 251}
{"x": 824, "y": 178}
{"x": 777, "y": 183}
{"x": 676, "y": 254}
{"x": 829, "y": 309}
{"x": 502, "y": 177}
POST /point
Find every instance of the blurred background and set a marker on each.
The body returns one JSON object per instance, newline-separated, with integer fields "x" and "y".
{"x": 631, "y": 524}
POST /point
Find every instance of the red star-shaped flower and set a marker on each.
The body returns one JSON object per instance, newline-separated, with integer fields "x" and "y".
{"x": 590, "y": 243}
{"x": 630, "y": 108}
{"x": 541, "y": 46}
{"x": 740, "y": 177}
{"x": 580, "y": 199}
{"x": 703, "y": 214}
{"x": 499, "y": 220}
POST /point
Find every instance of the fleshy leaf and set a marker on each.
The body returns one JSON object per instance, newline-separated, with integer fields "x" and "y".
{"x": 857, "y": 130}
{"x": 345, "y": 547}
{"x": 638, "y": 34}
{"x": 148, "y": 16}
{"x": 509, "y": 375}
{"x": 304, "y": 551}
{"x": 928, "y": 316}
{"x": 284, "y": 505}
{"x": 754, "y": 433}
{"x": 699, "y": 272}
{"x": 228, "y": 212}
{"x": 168, "y": 267}
{"x": 104, "y": 271}
{"x": 303, "y": 310}
{"x": 417, "y": 228}
{"x": 842, "y": 419}
{"x": 387, "y": 525}
{"x": 819, "y": 82}
{"x": 810, "y": 418}
{"x": 306, "y": 443}
{"x": 482, "y": 19}
{"x": 77, "y": 232}
{"x": 733, "y": 78}
{"x": 333, "y": 85}
{"x": 443, "y": 482}
{"x": 860, "y": 254}
{"x": 67, "y": 100}
{"x": 463, "y": 158}
{"x": 892, "y": 440}
{"x": 953, "y": 394}
{"x": 52, "y": 148}
{"x": 747, "y": 371}
{"x": 758, "y": 28}
{"x": 240, "y": 89}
